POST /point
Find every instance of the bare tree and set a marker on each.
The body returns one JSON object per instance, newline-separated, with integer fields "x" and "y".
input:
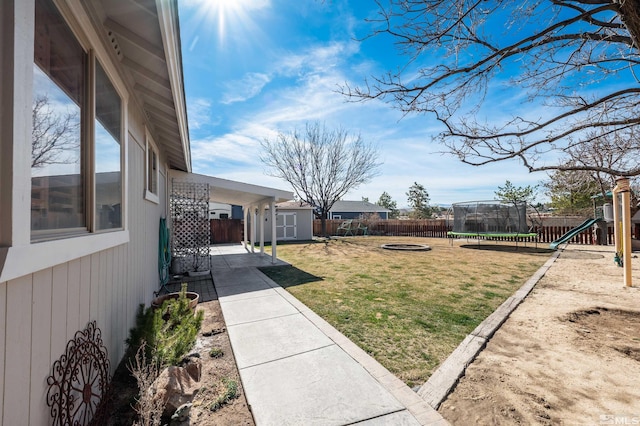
{"x": 321, "y": 165}
{"x": 575, "y": 58}
{"x": 53, "y": 134}
{"x": 605, "y": 151}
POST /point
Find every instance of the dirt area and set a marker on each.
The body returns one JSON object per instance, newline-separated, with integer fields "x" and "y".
{"x": 569, "y": 354}
{"x": 215, "y": 370}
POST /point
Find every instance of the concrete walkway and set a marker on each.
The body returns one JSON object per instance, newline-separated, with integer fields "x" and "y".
{"x": 295, "y": 368}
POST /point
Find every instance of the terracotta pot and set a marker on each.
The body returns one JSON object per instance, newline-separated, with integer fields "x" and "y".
{"x": 194, "y": 298}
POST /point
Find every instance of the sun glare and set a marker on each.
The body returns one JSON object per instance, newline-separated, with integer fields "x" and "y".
{"x": 228, "y": 16}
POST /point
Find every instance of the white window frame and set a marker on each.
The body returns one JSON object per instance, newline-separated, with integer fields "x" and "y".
{"x": 151, "y": 149}
{"x": 18, "y": 253}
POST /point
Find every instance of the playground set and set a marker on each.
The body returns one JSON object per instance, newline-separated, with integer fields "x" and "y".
{"x": 508, "y": 221}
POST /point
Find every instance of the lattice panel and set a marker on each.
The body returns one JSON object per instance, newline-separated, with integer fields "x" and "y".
{"x": 191, "y": 231}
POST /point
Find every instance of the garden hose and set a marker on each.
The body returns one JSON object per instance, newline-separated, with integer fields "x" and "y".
{"x": 164, "y": 254}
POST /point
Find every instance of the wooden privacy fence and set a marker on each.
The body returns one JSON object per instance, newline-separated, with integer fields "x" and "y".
{"x": 438, "y": 228}
{"x": 392, "y": 227}
{"x": 226, "y": 231}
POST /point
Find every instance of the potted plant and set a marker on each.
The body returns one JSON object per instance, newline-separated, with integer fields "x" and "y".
{"x": 192, "y": 296}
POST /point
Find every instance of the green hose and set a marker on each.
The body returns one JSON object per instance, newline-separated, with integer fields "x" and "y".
{"x": 164, "y": 254}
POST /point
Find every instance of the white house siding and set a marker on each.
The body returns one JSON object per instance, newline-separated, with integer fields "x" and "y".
{"x": 44, "y": 310}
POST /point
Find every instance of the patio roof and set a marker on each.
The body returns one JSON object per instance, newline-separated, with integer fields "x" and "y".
{"x": 233, "y": 192}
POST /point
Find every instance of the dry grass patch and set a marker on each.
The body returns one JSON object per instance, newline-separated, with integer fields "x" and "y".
{"x": 409, "y": 310}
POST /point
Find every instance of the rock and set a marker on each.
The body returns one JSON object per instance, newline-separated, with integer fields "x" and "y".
{"x": 177, "y": 386}
{"x": 214, "y": 332}
{"x": 194, "y": 368}
{"x": 181, "y": 414}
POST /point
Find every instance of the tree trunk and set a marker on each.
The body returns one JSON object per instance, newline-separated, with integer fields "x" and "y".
{"x": 630, "y": 15}
{"x": 323, "y": 222}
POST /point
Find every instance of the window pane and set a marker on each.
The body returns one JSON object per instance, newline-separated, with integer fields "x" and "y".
{"x": 57, "y": 190}
{"x": 152, "y": 170}
{"x": 108, "y": 153}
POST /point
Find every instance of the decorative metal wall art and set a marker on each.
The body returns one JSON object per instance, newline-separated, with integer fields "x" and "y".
{"x": 80, "y": 380}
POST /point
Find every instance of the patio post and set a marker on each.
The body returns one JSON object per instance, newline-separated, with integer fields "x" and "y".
{"x": 274, "y": 239}
{"x": 245, "y": 213}
{"x": 262, "y": 207}
{"x": 254, "y": 219}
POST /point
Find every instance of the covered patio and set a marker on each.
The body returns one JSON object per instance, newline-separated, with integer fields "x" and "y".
{"x": 255, "y": 201}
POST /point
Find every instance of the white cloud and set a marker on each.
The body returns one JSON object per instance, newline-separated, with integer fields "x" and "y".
{"x": 199, "y": 112}
{"x": 246, "y": 88}
{"x": 235, "y": 147}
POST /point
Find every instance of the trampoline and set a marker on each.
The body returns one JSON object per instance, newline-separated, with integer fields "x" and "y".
{"x": 491, "y": 220}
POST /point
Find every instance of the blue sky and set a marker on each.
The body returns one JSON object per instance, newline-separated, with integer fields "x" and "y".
{"x": 253, "y": 68}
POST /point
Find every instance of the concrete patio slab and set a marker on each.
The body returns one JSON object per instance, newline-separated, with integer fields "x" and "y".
{"x": 321, "y": 387}
{"x": 255, "y": 309}
{"x": 229, "y": 277}
{"x": 245, "y": 291}
{"x": 237, "y": 256}
{"x": 231, "y": 288}
{"x": 268, "y": 340}
{"x": 400, "y": 418}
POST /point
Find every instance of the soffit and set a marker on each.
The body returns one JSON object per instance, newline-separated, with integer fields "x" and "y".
{"x": 141, "y": 34}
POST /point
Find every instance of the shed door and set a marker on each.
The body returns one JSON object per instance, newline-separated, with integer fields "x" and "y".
{"x": 286, "y": 226}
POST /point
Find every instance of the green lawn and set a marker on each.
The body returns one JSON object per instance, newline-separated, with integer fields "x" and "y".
{"x": 409, "y": 310}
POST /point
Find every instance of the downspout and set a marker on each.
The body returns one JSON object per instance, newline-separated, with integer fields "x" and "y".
{"x": 622, "y": 188}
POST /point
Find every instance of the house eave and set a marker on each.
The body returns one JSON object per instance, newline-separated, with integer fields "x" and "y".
{"x": 170, "y": 29}
{"x": 144, "y": 37}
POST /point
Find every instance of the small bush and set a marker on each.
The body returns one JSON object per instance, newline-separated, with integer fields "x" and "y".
{"x": 148, "y": 406}
{"x": 216, "y": 353}
{"x": 229, "y": 393}
{"x": 169, "y": 331}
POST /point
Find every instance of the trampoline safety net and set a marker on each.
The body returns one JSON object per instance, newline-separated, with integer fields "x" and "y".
{"x": 490, "y": 217}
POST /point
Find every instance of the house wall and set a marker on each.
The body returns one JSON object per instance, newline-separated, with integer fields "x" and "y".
{"x": 44, "y": 310}
{"x": 109, "y": 277}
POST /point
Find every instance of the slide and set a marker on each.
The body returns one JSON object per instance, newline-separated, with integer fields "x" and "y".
{"x": 575, "y": 231}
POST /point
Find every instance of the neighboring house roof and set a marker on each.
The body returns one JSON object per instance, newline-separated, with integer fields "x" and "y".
{"x": 294, "y": 205}
{"x": 145, "y": 38}
{"x": 358, "y": 206}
